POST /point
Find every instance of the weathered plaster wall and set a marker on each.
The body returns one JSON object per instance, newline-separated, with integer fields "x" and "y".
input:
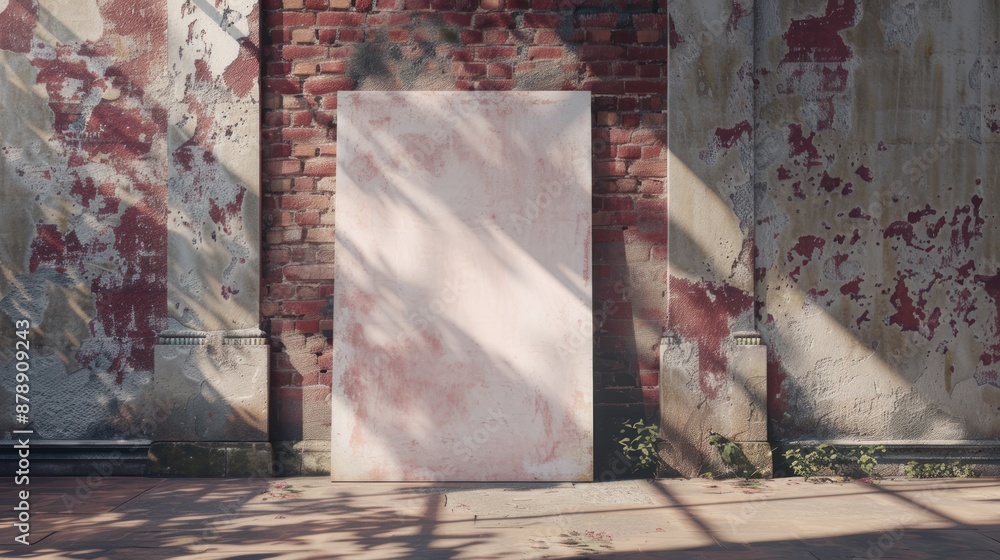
{"x": 847, "y": 150}
{"x": 708, "y": 380}
{"x": 92, "y": 184}
{"x": 876, "y": 149}
{"x": 83, "y": 176}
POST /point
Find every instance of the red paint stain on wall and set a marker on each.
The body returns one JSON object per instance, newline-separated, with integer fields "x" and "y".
{"x": 802, "y": 145}
{"x": 777, "y": 399}
{"x": 907, "y": 315}
{"x": 806, "y": 246}
{"x": 228, "y": 213}
{"x": 818, "y": 39}
{"x": 735, "y": 16}
{"x": 727, "y": 137}
{"x": 675, "y": 37}
{"x": 50, "y": 247}
{"x": 17, "y": 24}
{"x": 703, "y": 312}
{"x": 828, "y": 183}
{"x": 241, "y": 74}
{"x": 865, "y": 173}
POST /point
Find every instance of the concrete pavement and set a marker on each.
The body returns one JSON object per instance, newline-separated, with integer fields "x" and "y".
{"x": 310, "y": 517}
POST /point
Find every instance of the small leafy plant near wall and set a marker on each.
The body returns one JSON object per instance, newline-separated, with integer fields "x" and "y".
{"x": 859, "y": 462}
{"x": 732, "y": 455}
{"x": 640, "y": 444}
{"x": 914, "y": 469}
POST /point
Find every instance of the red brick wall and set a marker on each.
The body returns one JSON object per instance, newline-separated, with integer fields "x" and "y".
{"x": 314, "y": 48}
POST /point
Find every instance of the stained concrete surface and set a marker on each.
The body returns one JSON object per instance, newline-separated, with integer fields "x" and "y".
{"x": 299, "y": 518}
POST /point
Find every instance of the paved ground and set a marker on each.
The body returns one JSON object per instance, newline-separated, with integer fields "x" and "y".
{"x": 294, "y": 518}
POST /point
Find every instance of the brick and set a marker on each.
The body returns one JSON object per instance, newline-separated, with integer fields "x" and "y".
{"x": 599, "y": 36}
{"x": 602, "y": 87}
{"x": 320, "y": 235}
{"x": 303, "y": 36}
{"x": 546, "y": 53}
{"x": 277, "y": 218}
{"x": 295, "y": 52}
{"x": 650, "y": 21}
{"x": 609, "y": 168}
{"x": 318, "y": 4}
{"x": 350, "y": 35}
{"x": 332, "y": 67}
{"x": 549, "y": 21}
{"x": 495, "y": 85}
{"x": 490, "y": 4}
{"x": 302, "y": 134}
{"x": 499, "y": 71}
{"x": 606, "y": 118}
{"x": 276, "y": 118}
{"x": 305, "y": 201}
{"x": 651, "y": 152}
{"x": 305, "y": 308}
{"x": 629, "y": 152}
{"x": 300, "y": 118}
{"x": 279, "y": 150}
{"x": 647, "y": 53}
{"x": 319, "y": 85}
{"x": 305, "y": 150}
{"x": 307, "y": 219}
{"x": 340, "y": 19}
{"x": 304, "y": 68}
{"x": 655, "y": 168}
{"x": 484, "y": 21}
{"x": 282, "y": 85}
{"x": 647, "y": 35}
{"x": 309, "y": 272}
{"x": 456, "y": 18}
{"x": 282, "y": 166}
{"x": 625, "y": 70}
{"x": 497, "y": 37}
{"x": 305, "y": 184}
{"x": 652, "y": 186}
{"x": 321, "y": 167}
{"x": 600, "y": 52}
{"x": 468, "y": 69}
{"x": 417, "y": 4}
{"x": 289, "y": 19}
{"x": 279, "y": 36}
{"x": 292, "y": 4}
{"x": 340, "y": 4}
{"x": 616, "y": 203}
{"x": 471, "y": 37}
{"x": 547, "y": 37}
{"x": 276, "y": 185}
{"x": 644, "y": 86}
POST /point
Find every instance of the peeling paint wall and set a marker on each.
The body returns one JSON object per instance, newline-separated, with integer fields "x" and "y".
{"x": 88, "y": 174}
{"x": 83, "y": 174}
{"x": 877, "y": 268}
{"x": 846, "y": 150}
